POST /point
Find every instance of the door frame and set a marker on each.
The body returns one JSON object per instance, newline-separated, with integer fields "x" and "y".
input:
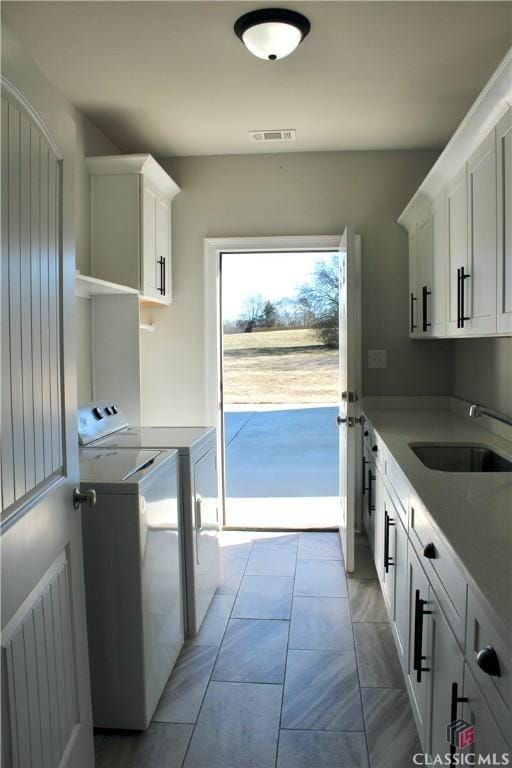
{"x": 213, "y": 349}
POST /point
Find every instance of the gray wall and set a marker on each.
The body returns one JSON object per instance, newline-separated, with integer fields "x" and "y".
{"x": 482, "y": 372}
{"x": 290, "y": 194}
{"x": 90, "y": 141}
{"x": 18, "y": 66}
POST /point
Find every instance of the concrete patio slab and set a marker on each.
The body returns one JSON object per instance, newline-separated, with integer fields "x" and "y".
{"x": 282, "y": 466}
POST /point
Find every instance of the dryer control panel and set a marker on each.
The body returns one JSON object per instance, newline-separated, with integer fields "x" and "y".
{"x": 99, "y": 419}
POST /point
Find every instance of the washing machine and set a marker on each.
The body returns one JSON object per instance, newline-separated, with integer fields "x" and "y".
{"x": 133, "y": 580}
{"x": 102, "y": 424}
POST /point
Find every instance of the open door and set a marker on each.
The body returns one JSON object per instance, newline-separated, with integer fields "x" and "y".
{"x": 45, "y": 698}
{"x": 349, "y": 406}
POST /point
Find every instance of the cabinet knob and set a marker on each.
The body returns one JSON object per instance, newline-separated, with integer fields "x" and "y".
{"x": 365, "y": 433}
{"x": 374, "y": 448}
{"x": 430, "y": 551}
{"x": 487, "y": 659}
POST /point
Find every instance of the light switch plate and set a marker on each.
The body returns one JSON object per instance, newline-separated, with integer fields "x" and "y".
{"x": 377, "y": 358}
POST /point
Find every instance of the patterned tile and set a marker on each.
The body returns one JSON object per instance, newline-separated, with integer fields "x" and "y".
{"x": 237, "y": 727}
{"x": 321, "y": 749}
{"x": 231, "y": 572}
{"x": 215, "y": 622}
{"x": 263, "y": 538}
{"x": 366, "y": 601}
{"x": 162, "y": 744}
{"x": 253, "y": 651}
{"x": 235, "y": 544}
{"x": 319, "y": 546}
{"x": 377, "y": 658}
{"x": 321, "y": 623}
{"x": 322, "y": 692}
{"x": 320, "y": 578}
{"x": 364, "y": 564}
{"x": 390, "y": 729}
{"x": 184, "y": 692}
{"x": 271, "y": 560}
{"x": 264, "y": 597}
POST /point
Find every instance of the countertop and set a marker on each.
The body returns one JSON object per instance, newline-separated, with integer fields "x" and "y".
{"x": 472, "y": 510}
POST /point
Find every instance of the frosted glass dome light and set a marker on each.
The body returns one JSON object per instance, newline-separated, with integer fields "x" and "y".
{"x": 272, "y": 33}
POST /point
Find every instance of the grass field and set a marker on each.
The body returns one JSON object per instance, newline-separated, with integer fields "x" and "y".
{"x": 290, "y": 366}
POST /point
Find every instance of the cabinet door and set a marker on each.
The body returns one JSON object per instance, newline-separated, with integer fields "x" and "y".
{"x": 371, "y": 474}
{"x": 457, "y": 226}
{"x": 413, "y": 284}
{"x": 488, "y": 738}
{"x": 401, "y": 615}
{"x": 504, "y": 184}
{"x": 206, "y": 532}
{"x": 425, "y": 274}
{"x": 389, "y": 524}
{"x": 150, "y": 283}
{"x": 438, "y": 298}
{"x": 366, "y": 494}
{"x": 163, "y": 248}
{"x": 480, "y": 287}
{"x": 446, "y": 664}
{"x": 378, "y": 523}
{"x": 417, "y": 656}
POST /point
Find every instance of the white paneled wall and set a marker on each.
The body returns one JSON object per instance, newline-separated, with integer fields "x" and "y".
{"x": 39, "y": 673}
{"x": 32, "y": 440}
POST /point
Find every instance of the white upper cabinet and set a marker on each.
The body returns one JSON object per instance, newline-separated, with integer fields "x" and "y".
{"x": 460, "y": 225}
{"x": 457, "y": 224}
{"x": 504, "y": 218}
{"x": 425, "y": 275}
{"x": 480, "y": 286}
{"x": 438, "y": 299}
{"x": 472, "y": 237}
{"x": 131, "y": 198}
{"x": 413, "y": 284}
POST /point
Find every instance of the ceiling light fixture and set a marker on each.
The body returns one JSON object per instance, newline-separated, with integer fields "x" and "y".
{"x": 272, "y": 33}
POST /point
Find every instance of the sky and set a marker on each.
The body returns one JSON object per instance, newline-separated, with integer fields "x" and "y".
{"x": 273, "y": 275}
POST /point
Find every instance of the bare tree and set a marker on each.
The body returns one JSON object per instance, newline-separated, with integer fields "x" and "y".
{"x": 254, "y": 309}
{"x": 322, "y": 296}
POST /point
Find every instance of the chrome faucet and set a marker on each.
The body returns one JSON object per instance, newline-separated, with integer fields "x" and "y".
{"x": 476, "y": 411}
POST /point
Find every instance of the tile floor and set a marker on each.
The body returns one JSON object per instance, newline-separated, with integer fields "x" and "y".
{"x": 294, "y": 667}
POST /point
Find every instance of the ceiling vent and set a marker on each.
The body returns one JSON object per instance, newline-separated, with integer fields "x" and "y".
{"x": 288, "y": 135}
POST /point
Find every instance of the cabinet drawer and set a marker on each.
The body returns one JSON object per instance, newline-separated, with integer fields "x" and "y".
{"x": 399, "y": 485}
{"x": 378, "y": 450}
{"x": 488, "y": 738}
{"x": 481, "y": 633}
{"x": 449, "y": 584}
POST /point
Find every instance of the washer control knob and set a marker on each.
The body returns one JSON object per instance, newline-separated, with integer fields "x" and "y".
{"x": 97, "y": 413}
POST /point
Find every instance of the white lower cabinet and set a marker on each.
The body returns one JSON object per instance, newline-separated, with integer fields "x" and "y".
{"x": 370, "y": 502}
{"x": 417, "y": 655}
{"x": 488, "y": 738}
{"x": 378, "y": 523}
{"x": 400, "y": 618}
{"x": 441, "y": 628}
{"x": 445, "y": 676}
{"x": 389, "y": 523}
{"x": 366, "y": 493}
